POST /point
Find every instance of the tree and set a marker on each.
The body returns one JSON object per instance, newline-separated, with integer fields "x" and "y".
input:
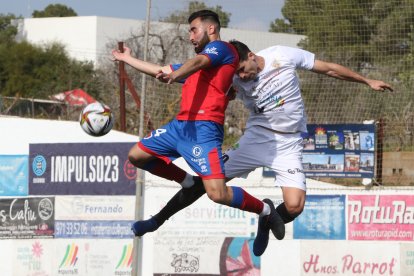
{"x": 280, "y": 26}
{"x": 55, "y": 10}
{"x": 7, "y": 30}
{"x": 39, "y": 72}
{"x": 373, "y": 37}
{"x": 181, "y": 17}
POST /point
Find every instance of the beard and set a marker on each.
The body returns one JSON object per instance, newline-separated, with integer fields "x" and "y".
{"x": 199, "y": 46}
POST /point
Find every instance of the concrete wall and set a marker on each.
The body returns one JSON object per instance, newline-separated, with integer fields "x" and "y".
{"x": 86, "y": 37}
{"x": 397, "y": 167}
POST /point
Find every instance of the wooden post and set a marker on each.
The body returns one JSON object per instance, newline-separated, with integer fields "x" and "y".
{"x": 379, "y": 151}
{"x": 121, "y": 65}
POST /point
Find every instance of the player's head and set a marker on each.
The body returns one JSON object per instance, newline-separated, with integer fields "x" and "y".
{"x": 248, "y": 66}
{"x": 204, "y": 27}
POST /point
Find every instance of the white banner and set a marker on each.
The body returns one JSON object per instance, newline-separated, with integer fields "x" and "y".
{"x": 33, "y": 257}
{"x": 407, "y": 259}
{"x": 187, "y": 255}
{"x": 349, "y": 258}
{"x": 66, "y": 257}
{"x": 206, "y": 219}
{"x": 95, "y": 207}
{"x": 205, "y": 256}
{"x": 6, "y": 257}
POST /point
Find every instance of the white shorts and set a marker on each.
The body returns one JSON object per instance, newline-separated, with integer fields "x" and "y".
{"x": 261, "y": 147}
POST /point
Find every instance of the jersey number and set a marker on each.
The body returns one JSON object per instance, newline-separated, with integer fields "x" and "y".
{"x": 157, "y": 133}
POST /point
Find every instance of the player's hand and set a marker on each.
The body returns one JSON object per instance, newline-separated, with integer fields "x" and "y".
{"x": 117, "y": 55}
{"x": 379, "y": 85}
{"x": 163, "y": 77}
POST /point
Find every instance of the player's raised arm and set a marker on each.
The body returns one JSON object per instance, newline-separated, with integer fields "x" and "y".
{"x": 189, "y": 67}
{"x": 142, "y": 66}
{"x": 341, "y": 72}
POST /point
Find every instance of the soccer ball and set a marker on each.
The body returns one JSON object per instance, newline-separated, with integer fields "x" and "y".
{"x": 96, "y": 119}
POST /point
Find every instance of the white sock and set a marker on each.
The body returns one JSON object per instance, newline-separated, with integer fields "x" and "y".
{"x": 188, "y": 181}
{"x": 266, "y": 210}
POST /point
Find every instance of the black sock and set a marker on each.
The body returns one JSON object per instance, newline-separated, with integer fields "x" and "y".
{"x": 182, "y": 199}
{"x": 284, "y": 214}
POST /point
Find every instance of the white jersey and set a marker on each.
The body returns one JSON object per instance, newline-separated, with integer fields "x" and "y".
{"x": 274, "y": 97}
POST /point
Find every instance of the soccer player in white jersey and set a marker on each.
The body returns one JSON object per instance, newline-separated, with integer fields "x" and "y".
{"x": 268, "y": 85}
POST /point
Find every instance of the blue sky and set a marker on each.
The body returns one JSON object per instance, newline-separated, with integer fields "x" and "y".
{"x": 246, "y": 14}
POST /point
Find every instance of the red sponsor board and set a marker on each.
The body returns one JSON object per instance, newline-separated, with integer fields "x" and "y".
{"x": 381, "y": 217}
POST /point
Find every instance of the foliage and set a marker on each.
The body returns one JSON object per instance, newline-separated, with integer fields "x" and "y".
{"x": 280, "y": 26}
{"x": 7, "y": 30}
{"x": 372, "y": 37}
{"x": 33, "y": 71}
{"x": 55, "y": 10}
{"x": 181, "y": 17}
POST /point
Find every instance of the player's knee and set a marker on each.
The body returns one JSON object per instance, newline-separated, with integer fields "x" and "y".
{"x": 294, "y": 208}
{"x": 216, "y": 196}
{"x": 133, "y": 158}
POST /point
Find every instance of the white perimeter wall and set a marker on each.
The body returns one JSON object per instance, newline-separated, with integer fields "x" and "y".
{"x": 17, "y": 133}
{"x": 86, "y": 37}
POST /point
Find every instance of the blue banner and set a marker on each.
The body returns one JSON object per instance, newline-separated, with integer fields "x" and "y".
{"x": 93, "y": 229}
{"x": 339, "y": 150}
{"x": 323, "y": 218}
{"x": 14, "y": 175}
{"x": 81, "y": 169}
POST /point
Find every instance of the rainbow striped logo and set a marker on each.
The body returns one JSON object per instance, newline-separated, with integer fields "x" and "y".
{"x": 71, "y": 256}
{"x": 126, "y": 259}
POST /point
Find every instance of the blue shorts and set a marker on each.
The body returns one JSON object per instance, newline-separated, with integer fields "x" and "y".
{"x": 198, "y": 142}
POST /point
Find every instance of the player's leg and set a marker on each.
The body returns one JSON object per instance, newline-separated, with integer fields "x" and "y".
{"x": 237, "y": 197}
{"x": 294, "y": 202}
{"x": 154, "y": 154}
{"x": 244, "y": 157}
{"x": 142, "y": 158}
{"x": 212, "y": 168}
{"x": 202, "y": 151}
{"x": 287, "y": 165}
{"x": 188, "y": 195}
{"x": 233, "y": 196}
{"x": 182, "y": 199}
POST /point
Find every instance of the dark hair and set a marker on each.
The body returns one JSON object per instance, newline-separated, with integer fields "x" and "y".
{"x": 205, "y": 15}
{"x": 241, "y": 49}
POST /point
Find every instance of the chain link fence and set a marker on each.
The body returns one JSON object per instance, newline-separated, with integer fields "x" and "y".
{"x": 373, "y": 38}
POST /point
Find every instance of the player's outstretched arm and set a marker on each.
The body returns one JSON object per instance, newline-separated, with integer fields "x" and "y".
{"x": 341, "y": 72}
{"x": 142, "y": 66}
{"x": 189, "y": 67}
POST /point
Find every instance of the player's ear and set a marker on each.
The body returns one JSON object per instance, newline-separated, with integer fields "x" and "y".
{"x": 212, "y": 29}
{"x": 251, "y": 55}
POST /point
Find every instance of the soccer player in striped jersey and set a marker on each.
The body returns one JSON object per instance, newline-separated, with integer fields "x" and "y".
{"x": 196, "y": 134}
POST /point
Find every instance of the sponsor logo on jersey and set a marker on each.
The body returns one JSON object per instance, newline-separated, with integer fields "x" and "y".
{"x": 212, "y": 50}
{"x": 197, "y": 151}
